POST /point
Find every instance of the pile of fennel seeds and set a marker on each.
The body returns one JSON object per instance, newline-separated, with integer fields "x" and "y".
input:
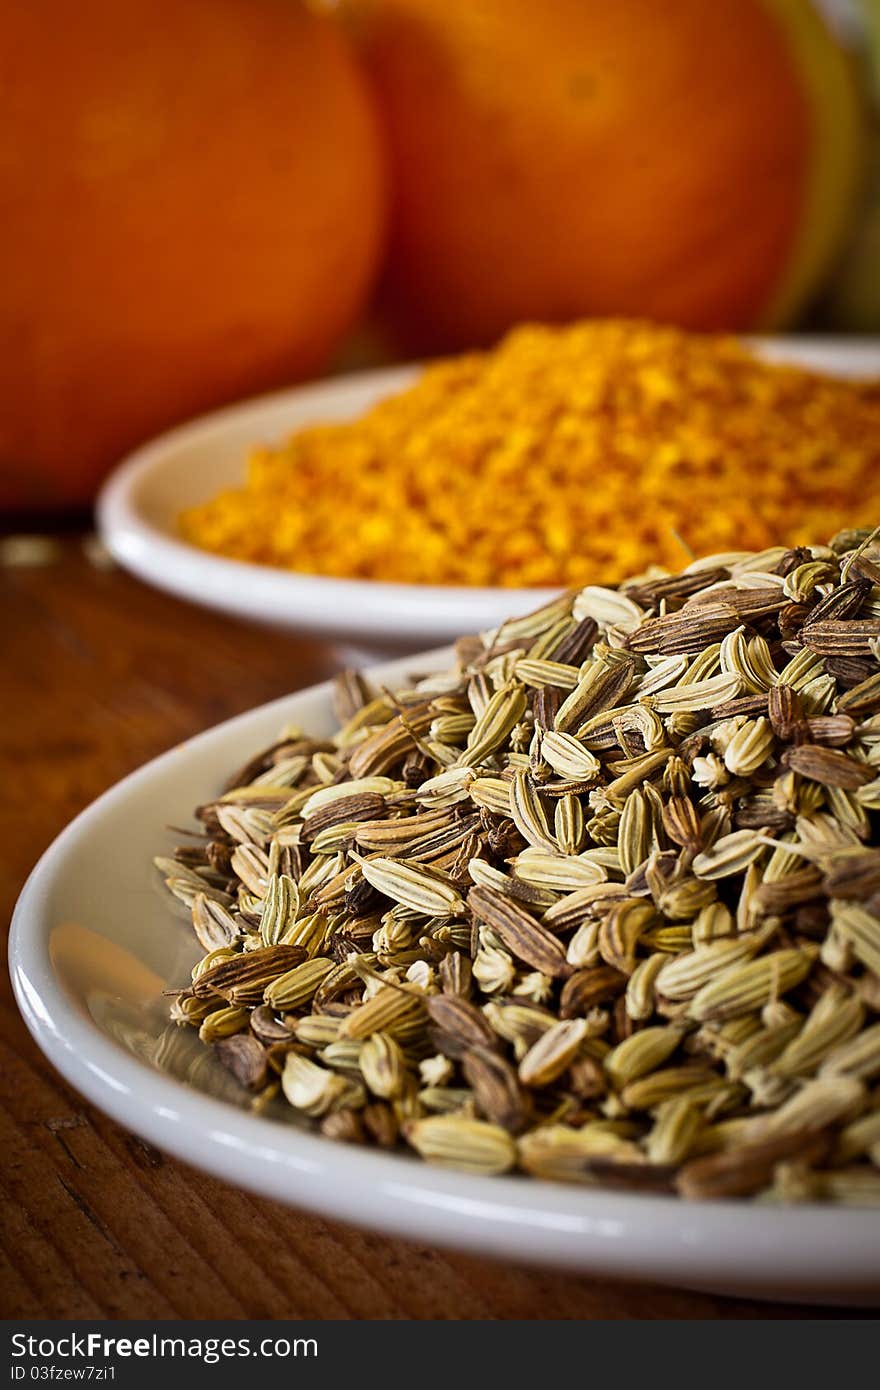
{"x": 601, "y": 903}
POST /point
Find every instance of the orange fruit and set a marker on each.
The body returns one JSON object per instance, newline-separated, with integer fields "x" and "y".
{"x": 192, "y": 208}
{"x": 685, "y": 161}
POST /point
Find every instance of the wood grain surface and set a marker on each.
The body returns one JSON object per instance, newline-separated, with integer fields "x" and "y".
{"x": 98, "y": 674}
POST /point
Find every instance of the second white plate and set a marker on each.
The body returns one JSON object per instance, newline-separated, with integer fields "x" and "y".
{"x": 138, "y": 507}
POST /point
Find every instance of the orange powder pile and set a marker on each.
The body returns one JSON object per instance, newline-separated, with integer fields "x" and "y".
{"x": 564, "y": 456}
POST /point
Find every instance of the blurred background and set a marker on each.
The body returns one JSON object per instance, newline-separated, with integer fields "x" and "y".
{"x": 204, "y": 200}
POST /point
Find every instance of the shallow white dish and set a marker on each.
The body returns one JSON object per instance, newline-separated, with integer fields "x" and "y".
{"x": 95, "y": 939}
{"x": 138, "y": 506}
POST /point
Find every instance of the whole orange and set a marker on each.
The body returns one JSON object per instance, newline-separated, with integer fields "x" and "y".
{"x": 192, "y": 207}
{"x": 688, "y": 161}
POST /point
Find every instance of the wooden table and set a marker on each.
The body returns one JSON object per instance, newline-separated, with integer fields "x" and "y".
{"x": 99, "y": 674}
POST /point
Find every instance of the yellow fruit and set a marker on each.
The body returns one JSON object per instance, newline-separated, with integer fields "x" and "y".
{"x": 192, "y": 207}
{"x": 687, "y": 161}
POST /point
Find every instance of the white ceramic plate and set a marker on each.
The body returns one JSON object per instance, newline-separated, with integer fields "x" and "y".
{"x": 138, "y": 506}
{"x": 95, "y": 939}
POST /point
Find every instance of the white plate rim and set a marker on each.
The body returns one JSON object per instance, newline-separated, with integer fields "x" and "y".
{"x": 811, "y": 1252}
{"x": 365, "y": 610}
